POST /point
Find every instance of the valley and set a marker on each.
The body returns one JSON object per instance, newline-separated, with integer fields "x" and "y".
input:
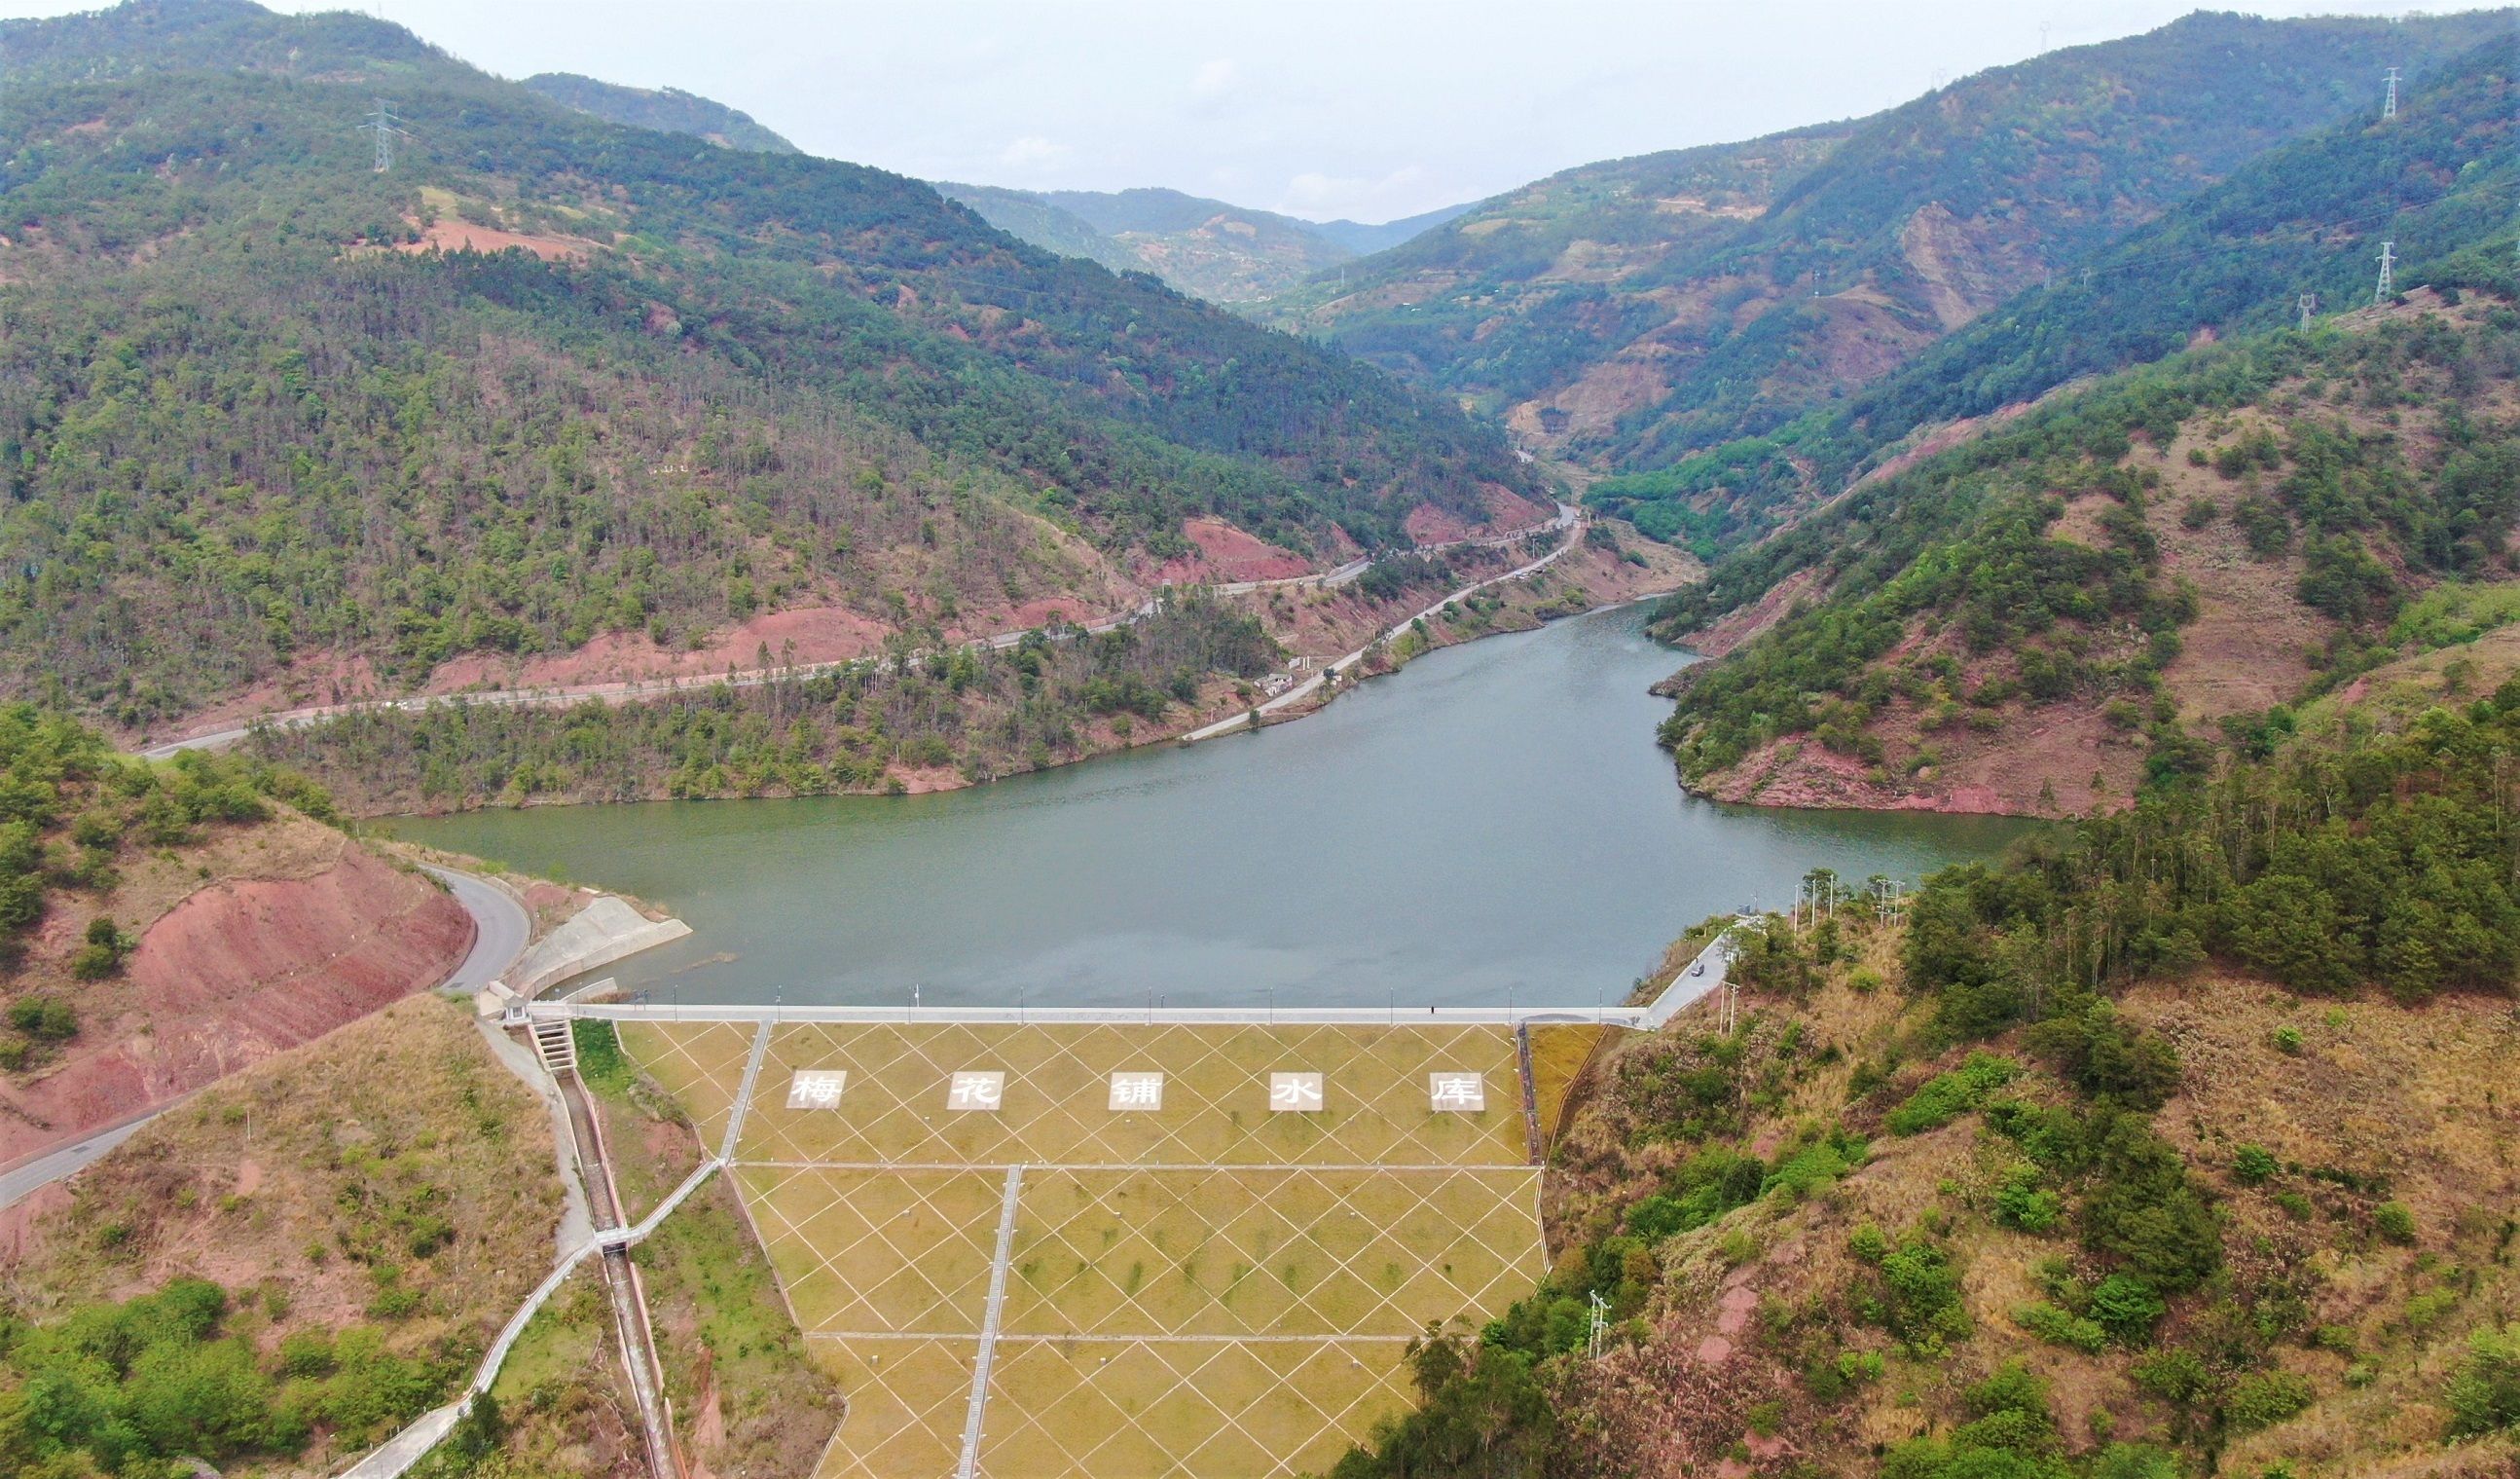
{"x": 646, "y": 831}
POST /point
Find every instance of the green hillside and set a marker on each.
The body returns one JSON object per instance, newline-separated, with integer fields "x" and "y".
{"x": 2441, "y": 182}
{"x": 1028, "y": 218}
{"x": 667, "y": 109}
{"x": 2116, "y": 588}
{"x": 550, "y": 379}
{"x": 1207, "y": 249}
{"x": 2174, "y": 1145}
{"x": 1632, "y": 313}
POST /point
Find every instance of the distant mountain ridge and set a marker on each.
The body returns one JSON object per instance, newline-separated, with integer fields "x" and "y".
{"x": 1634, "y": 311}
{"x": 667, "y": 109}
{"x": 2438, "y": 182}
{"x": 1206, "y": 248}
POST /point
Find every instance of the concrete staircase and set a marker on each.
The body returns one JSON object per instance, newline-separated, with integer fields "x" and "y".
{"x": 555, "y": 1045}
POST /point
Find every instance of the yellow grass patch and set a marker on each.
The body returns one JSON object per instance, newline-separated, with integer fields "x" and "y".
{"x": 907, "y": 1401}
{"x": 700, "y": 1063}
{"x": 1096, "y": 1409}
{"x": 1269, "y": 1252}
{"x": 1215, "y": 1105}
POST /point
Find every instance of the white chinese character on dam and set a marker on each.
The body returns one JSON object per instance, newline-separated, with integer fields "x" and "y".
{"x": 817, "y": 1088}
{"x": 1457, "y": 1093}
{"x": 1294, "y": 1093}
{"x": 1137, "y": 1091}
{"x": 975, "y": 1090}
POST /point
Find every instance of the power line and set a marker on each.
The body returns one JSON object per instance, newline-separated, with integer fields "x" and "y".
{"x": 2137, "y": 263}
{"x": 387, "y": 127}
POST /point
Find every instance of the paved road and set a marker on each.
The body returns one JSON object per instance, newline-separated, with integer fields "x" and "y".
{"x": 622, "y": 692}
{"x": 53, "y": 1165}
{"x": 500, "y": 927}
{"x": 1715, "y": 962}
{"x": 1566, "y": 520}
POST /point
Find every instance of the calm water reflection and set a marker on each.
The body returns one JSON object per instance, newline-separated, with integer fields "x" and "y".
{"x": 1493, "y": 821}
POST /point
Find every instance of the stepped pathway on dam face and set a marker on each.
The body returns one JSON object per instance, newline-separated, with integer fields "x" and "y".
{"x": 1053, "y": 1270}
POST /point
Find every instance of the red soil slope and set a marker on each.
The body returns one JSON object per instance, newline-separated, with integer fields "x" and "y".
{"x": 233, "y": 974}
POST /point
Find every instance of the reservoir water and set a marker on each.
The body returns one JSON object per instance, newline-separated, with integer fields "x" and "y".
{"x": 1493, "y": 822}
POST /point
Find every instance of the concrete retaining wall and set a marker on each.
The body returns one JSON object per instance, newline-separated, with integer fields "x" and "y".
{"x": 604, "y": 932}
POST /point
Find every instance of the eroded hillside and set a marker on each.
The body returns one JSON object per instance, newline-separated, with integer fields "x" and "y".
{"x": 2123, "y": 586}
{"x": 2181, "y": 1143}
{"x": 554, "y": 390}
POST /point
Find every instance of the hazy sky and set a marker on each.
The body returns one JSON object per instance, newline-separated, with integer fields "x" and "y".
{"x": 1370, "y": 109}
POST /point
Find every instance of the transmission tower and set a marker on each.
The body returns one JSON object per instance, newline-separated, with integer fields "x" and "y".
{"x": 387, "y": 127}
{"x": 2388, "y": 288}
{"x": 2309, "y": 306}
{"x": 2389, "y": 110}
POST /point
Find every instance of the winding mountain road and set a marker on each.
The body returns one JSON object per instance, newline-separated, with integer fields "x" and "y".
{"x": 630, "y": 691}
{"x": 1567, "y": 520}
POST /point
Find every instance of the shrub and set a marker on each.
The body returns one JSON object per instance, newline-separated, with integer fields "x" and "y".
{"x": 2020, "y": 1204}
{"x": 2485, "y": 1396}
{"x": 2133, "y": 1461}
{"x": 1947, "y": 1096}
{"x": 2394, "y": 1220}
{"x": 306, "y": 1353}
{"x": 2061, "y": 1328}
{"x": 1922, "y": 1304}
{"x": 2175, "y": 1376}
{"x": 2126, "y": 1307}
{"x": 2287, "y": 1040}
{"x": 1815, "y": 1166}
{"x": 2252, "y": 1165}
{"x": 46, "y": 1019}
{"x": 2265, "y": 1398}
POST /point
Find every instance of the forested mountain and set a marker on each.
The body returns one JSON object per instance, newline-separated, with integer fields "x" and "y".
{"x": 1208, "y": 248}
{"x": 2440, "y": 181}
{"x": 1029, "y": 217}
{"x": 1360, "y": 238}
{"x": 550, "y": 382}
{"x": 1632, "y": 313}
{"x": 2173, "y": 1145}
{"x": 2114, "y": 590}
{"x": 667, "y": 109}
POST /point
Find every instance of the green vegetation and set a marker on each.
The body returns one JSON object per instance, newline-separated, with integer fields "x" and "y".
{"x": 239, "y": 427}
{"x": 983, "y": 712}
{"x": 1945, "y": 1098}
{"x": 70, "y": 811}
{"x": 132, "y": 1388}
{"x": 2438, "y": 180}
{"x": 2485, "y": 1396}
{"x": 1797, "y": 262}
{"x": 667, "y": 109}
{"x": 2383, "y": 863}
{"x": 1955, "y": 558}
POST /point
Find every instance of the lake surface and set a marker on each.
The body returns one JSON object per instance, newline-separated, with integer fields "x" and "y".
{"x": 1492, "y": 823}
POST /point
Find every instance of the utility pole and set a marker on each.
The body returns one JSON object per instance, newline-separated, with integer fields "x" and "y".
{"x": 2389, "y": 110}
{"x": 2309, "y": 306}
{"x": 387, "y": 127}
{"x": 1600, "y": 1325}
{"x": 2388, "y": 288}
